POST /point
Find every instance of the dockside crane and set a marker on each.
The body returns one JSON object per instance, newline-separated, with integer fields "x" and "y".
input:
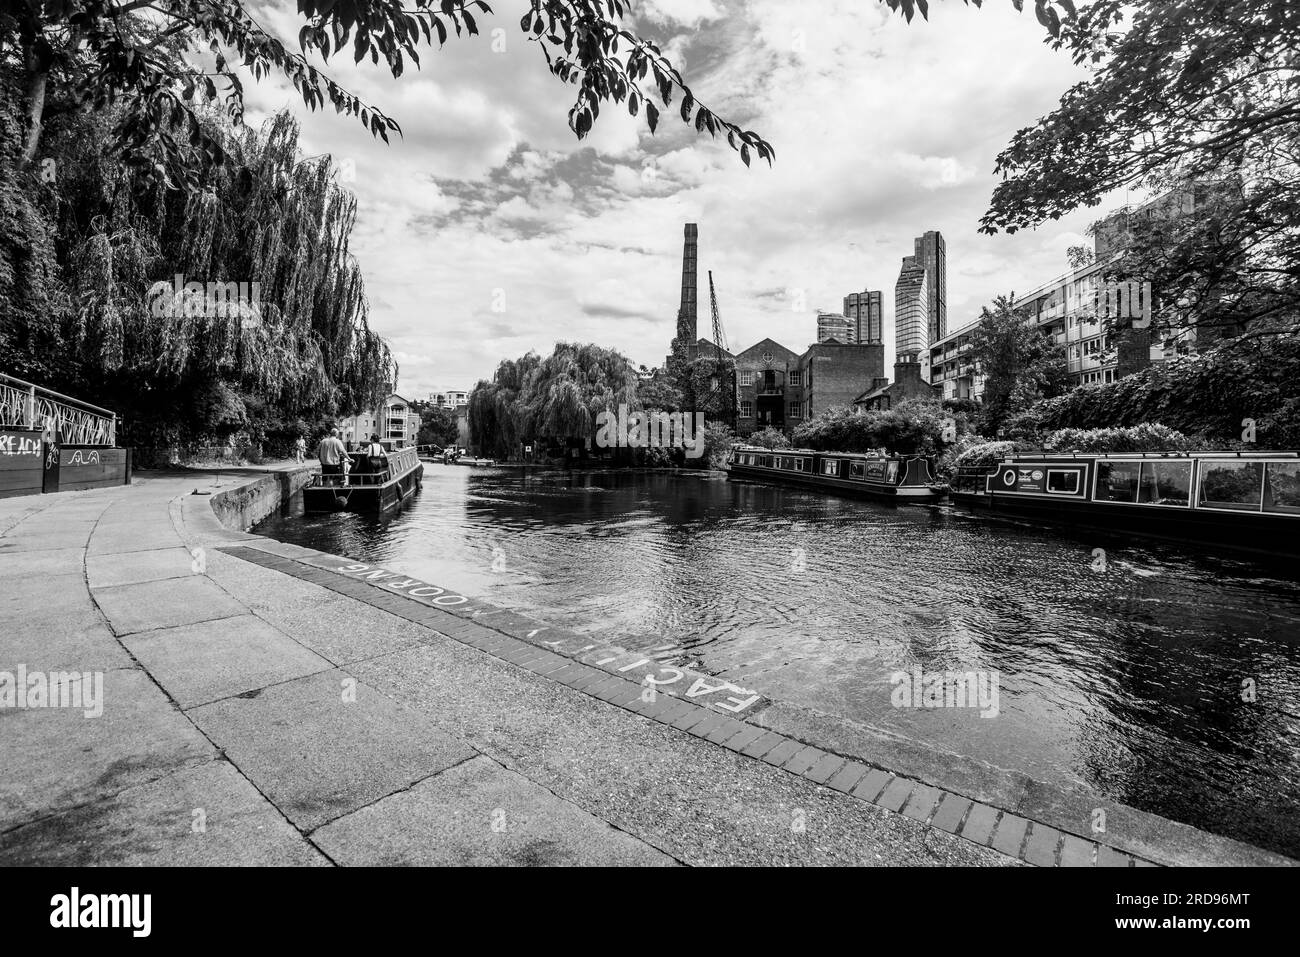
{"x": 725, "y": 391}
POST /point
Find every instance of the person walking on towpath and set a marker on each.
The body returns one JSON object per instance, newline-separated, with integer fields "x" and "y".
{"x": 331, "y": 453}
{"x": 300, "y": 450}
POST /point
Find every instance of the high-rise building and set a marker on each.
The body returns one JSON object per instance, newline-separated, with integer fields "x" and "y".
{"x": 932, "y": 253}
{"x": 866, "y": 315}
{"x": 911, "y": 309}
{"x": 832, "y": 325}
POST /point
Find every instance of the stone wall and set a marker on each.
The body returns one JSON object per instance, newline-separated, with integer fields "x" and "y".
{"x": 242, "y": 507}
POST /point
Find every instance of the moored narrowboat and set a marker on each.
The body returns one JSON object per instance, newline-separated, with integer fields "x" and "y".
{"x": 364, "y": 488}
{"x": 1241, "y": 500}
{"x": 898, "y": 477}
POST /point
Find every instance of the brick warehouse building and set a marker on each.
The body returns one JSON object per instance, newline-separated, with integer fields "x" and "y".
{"x": 780, "y": 388}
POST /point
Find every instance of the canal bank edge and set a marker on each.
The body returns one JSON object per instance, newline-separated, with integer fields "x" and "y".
{"x": 1039, "y": 823}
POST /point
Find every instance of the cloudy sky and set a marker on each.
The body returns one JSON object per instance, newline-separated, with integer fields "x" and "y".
{"x": 488, "y": 230}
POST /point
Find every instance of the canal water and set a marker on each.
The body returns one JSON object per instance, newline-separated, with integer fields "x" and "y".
{"x": 1131, "y": 671}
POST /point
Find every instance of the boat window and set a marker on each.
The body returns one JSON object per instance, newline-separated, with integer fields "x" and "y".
{"x": 891, "y": 476}
{"x": 857, "y": 470}
{"x": 1117, "y": 481}
{"x": 1282, "y": 488}
{"x": 1235, "y": 485}
{"x": 801, "y": 465}
{"x": 831, "y": 467}
{"x": 1165, "y": 483}
{"x": 1063, "y": 481}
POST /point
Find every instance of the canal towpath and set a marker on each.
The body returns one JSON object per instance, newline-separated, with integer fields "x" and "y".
{"x": 260, "y": 707}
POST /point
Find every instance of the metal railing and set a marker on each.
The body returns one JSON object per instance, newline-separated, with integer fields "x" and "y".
{"x": 27, "y": 406}
{"x": 400, "y": 461}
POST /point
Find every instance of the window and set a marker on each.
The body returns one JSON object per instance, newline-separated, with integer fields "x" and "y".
{"x": 831, "y": 467}
{"x": 747, "y": 378}
{"x": 1282, "y": 488}
{"x": 801, "y": 465}
{"x": 1232, "y": 485}
{"x": 796, "y": 378}
{"x": 1165, "y": 483}
{"x": 1063, "y": 481}
{"x": 767, "y": 357}
{"x": 746, "y": 410}
{"x": 795, "y": 410}
{"x": 1117, "y": 481}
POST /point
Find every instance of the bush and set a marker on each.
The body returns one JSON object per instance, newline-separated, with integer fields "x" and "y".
{"x": 1210, "y": 394}
{"x": 914, "y": 425}
{"x": 986, "y": 454}
{"x": 717, "y": 442}
{"x": 1147, "y": 437}
{"x": 769, "y": 438}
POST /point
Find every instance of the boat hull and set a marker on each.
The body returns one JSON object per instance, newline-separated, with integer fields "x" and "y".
{"x": 370, "y": 499}
{"x": 1256, "y": 533}
{"x": 1227, "y": 501}
{"x": 857, "y": 488}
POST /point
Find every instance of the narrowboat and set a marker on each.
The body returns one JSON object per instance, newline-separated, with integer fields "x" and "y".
{"x": 364, "y": 489}
{"x": 901, "y": 478}
{"x": 1241, "y": 500}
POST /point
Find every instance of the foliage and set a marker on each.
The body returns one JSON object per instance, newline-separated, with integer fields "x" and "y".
{"x": 437, "y": 427}
{"x": 159, "y": 69}
{"x": 1188, "y": 88}
{"x": 1198, "y": 93}
{"x": 96, "y": 295}
{"x": 914, "y": 425}
{"x": 984, "y": 454}
{"x": 1020, "y": 362}
{"x": 660, "y": 393}
{"x": 768, "y": 438}
{"x": 1216, "y": 394}
{"x": 558, "y": 397}
{"x": 718, "y": 439}
{"x": 1147, "y": 437}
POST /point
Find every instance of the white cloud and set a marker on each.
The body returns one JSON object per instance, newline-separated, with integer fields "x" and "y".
{"x": 883, "y": 130}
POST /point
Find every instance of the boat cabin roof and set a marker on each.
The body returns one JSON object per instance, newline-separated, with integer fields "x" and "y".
{"x": 1139, "y": 456}
{"x": 838, "y": 455}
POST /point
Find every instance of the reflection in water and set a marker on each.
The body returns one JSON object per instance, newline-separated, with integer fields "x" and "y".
{"x": 1129, "y": 680}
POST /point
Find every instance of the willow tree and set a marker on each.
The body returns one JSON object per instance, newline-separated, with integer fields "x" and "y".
{"x": 291, "y": 346}
{"x": 557, "y": 397}
{"x": 497, "y": 413}
{"x": 573, "y": 385}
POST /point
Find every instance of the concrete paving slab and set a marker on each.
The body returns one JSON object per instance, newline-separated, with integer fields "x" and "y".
{"x": 479, "y": 813}
{"x": 55, "y": 758}
{"x": 40, "y": 597}
{"x": 165, "y": 604}
{"x": 131, "y": 568}
{"x": 340, "y": 629}
{"x": 128, "y": 537}
{"x": 663, "y": 787}
{"x": 318, "y": 756}
{"x": 24, "y": 539}
{"x": 207, "y": 815}
{"x": 55, "y": 561}
{"x": 203, "y": 662}
{"x": 76, "y": 638}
